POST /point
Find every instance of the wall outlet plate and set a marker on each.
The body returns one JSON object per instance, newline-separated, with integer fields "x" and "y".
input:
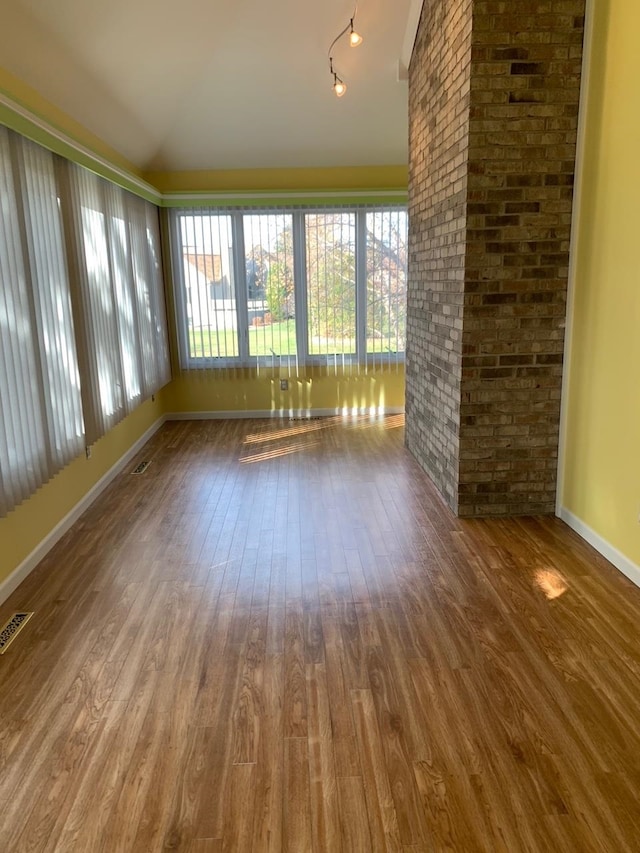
{"x": 284, "y": 384}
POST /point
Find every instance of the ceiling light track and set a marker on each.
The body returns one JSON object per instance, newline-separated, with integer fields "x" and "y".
{"x": 355, "y": 39}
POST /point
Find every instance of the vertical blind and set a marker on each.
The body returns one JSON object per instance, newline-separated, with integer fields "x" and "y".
{"x": 83, "y": 335}
{"x": 41, "y": 426}
{"x": 270, "y": 283}
{"x": 113, "y": 241}
{"x": 331, "y": 283}
{"x": 321, "y": 286}
{"x": 209, "y": 286}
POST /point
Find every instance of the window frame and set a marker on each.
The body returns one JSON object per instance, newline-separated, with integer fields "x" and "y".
{"x": 302, "y": 357}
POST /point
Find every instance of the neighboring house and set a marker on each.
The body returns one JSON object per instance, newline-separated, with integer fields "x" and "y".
{"x": 211, "y": 301}
{"x": 210, "y": 294}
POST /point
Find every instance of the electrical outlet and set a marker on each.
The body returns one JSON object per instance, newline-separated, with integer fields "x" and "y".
{"x": 284, "y": 384}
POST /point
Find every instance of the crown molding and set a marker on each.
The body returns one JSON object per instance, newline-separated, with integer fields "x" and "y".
{"x": 295, "y": 197}
{"x": 44, "y": 133}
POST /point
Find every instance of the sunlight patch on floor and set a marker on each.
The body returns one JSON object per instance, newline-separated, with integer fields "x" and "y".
{"x": 303, "y": 427}
{"x": 275, "y": 452}
{"x": 288, "y": 432}
{"x": 551, "y": 583}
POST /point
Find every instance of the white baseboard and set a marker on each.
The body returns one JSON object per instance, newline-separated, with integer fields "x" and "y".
{"x": 16, "y": 577}
{"x": 373, "y": 411}
{"x": 609, "y": 551}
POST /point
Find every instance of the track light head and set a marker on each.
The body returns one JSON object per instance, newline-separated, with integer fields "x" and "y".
{"x": 355, "y": 38}
{"x": 339, "y": 86}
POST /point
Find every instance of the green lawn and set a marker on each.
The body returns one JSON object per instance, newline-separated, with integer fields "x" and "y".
{"x": 279, "y": 337}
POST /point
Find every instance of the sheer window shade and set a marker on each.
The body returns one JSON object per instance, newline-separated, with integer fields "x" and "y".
{"x": 41, "y": 420}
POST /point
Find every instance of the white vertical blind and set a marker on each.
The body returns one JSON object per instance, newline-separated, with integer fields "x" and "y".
{"x": 204, "y": 263}
{"x": 270, "y": 283}
{"x": 290, "y": 287}
{"x": 83, "y": 330}
{"x": 53, "y": 314}
{"x": 99, "y": 357}
{"x": 122, "y": 282}
{"x": 148, "y": 294}
{"x": 114, "y": 250}
{"x": 386, "y": 271}
{"x": 331, "y": 283}
{"x": 41, "y": 425}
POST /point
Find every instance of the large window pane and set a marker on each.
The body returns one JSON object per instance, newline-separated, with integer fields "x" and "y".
{"x": 386, "y": 281}
{"x": 331, "y": 282}
{"x": 210, "y": 294}
{"x": 269, "y": 275}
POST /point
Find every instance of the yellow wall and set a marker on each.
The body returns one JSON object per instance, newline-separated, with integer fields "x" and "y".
{"x": 264, "y": 180}
{"x": 602, "y": 452}
{"x": 246, "y": 390}
{"x": 24, "y": 528}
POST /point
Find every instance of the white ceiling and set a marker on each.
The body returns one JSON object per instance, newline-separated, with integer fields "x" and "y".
{"x": 219, "y": 84}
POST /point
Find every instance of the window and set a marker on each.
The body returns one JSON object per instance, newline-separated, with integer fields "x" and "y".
{"x": 307, "y": 286}
{"x": 148, "y": 293}
{"x": 114, "y": 250}
{"x": 41, "y": 427}
{"x": 330, "y": 242}
{"x": 209, "y": 298}
{"x": 83, "y": 336}
{"x": 386, "y": 260}
{"x": 270, "y": 284}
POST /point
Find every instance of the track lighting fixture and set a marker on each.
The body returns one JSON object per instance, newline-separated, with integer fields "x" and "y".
{"x": 355, "y": 39}
{"x": 339, "y": 87}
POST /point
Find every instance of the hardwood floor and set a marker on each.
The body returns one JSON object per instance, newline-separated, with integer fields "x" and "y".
{"x": 278, "y": 638}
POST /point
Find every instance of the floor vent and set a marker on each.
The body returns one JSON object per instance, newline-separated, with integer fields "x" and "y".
{"x": 12, "y": 629}
{"x": 141, "y": 468}
{"x": 314, "y": 418}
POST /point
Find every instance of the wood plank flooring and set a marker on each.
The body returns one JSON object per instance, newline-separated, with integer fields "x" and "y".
{"x": 278, "y": 638}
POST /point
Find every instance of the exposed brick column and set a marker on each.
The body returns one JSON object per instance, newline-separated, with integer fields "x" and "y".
{"x": 438, "y": 141}
{"x": 497, "y": 386}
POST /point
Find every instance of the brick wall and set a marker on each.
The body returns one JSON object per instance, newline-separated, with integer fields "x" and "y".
{"x": 438, "y": 142}
{"x": 509, "y": 300}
